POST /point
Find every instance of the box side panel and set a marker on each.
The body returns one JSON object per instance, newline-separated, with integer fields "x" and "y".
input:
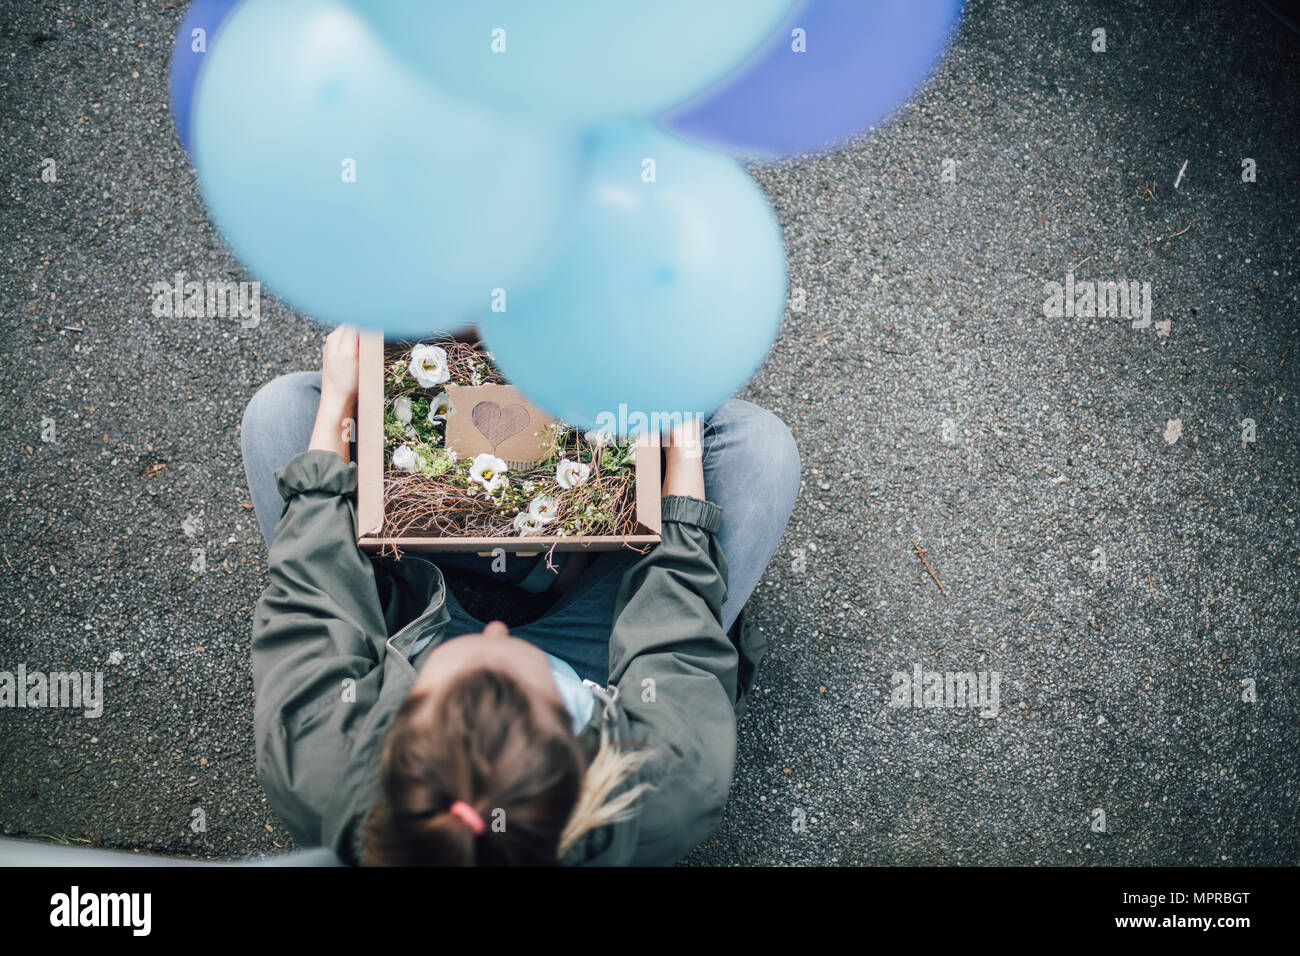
{"x": 649, "y": 484}
{"x": 513, "y": 545}
{"x": 370, "y": 436}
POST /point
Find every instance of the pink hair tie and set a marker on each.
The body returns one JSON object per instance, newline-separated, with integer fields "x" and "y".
{"x": 467, "y": 813}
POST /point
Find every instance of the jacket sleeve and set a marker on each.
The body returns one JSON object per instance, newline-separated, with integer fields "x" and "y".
{"x": 316, "y": 635}
{"x": 675, "y": 670}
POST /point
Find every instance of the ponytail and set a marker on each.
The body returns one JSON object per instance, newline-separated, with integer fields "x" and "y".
{"x": 479, "y": 778}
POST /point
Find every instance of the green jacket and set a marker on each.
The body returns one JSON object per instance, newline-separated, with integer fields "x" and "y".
{"x": 333, "y": 630}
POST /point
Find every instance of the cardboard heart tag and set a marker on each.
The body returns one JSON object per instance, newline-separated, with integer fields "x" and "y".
{"x": 495, "y": 419}
{"x": 495, "y": 423}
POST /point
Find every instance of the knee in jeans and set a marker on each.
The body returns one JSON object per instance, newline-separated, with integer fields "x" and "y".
{"x": 785, "y": 461}
{"x": 272, "y": 401}
{"x": 769, "y": 438}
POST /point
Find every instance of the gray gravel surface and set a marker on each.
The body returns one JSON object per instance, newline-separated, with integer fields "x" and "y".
{"x": 932, "y": 401}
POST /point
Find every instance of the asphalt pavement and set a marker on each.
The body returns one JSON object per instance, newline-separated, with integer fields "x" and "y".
{"x": 1135, "y": 597}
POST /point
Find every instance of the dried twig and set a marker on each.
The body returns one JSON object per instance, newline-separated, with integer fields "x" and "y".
{"x": 921, "y": 553}
{"x": 1172, "y": 235}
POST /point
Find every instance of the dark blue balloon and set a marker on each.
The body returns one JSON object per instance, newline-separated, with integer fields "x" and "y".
{"x": 205, "y": 15}
{"x": 860, "y": 61}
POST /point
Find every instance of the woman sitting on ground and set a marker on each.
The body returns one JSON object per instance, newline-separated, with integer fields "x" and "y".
{"x": 396, "y": 729}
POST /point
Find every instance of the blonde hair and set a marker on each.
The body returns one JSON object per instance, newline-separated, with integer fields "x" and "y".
{"x": 597, "y": 803}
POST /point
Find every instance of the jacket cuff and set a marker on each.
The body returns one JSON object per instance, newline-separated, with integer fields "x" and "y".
{"x": 316, "y": 470}
{"x": 696, "y": 511}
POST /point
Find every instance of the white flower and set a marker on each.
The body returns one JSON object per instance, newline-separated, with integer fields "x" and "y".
{"x": 411, "y": 432}
{"x": 440, "y": 408}
{"x": 530, "y": 487}
{"x": 599, "y": 437}
{"x": 545, "y": 508}
{"x": 429, "y": 365}
{"x": 527, "y": 523}
{"x": 489, "y": 471}
{"x": 453, "y": 454}
{"x": 570, "y": 474}
{"x": 405, "y": 458}
{"x": 402, "y": 409}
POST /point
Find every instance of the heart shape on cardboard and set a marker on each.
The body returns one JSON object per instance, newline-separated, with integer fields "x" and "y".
{"x": 495, "y": 423}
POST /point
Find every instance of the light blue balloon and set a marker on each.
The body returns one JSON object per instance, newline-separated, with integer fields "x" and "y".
{"x": 665, "y": 298}
{"x": 578, "y": 60}
{"x": 450, "y": 201}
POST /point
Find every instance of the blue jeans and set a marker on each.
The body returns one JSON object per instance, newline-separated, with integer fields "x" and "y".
{"x": 751, "y": 469}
